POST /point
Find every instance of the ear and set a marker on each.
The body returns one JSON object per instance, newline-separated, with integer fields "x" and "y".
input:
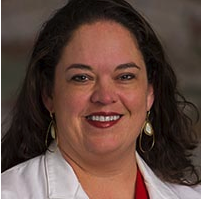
{"x": 150, "y": 96}
{"x": 48, "y": 102}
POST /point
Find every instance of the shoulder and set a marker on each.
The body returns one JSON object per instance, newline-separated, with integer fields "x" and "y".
{"x": 159, "y": 189}
{"x": 23, "y": 178}
{"x": 186, "y": 192}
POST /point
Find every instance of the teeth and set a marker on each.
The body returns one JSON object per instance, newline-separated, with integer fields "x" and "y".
{"x": 104, "y": 118}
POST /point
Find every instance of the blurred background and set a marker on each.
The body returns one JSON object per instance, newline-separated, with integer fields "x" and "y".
{"x": 177, "y": 24}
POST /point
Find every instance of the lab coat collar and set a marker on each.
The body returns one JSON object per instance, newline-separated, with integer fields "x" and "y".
{"x": 157, "y": 189}
{"x": 62, "y": 181}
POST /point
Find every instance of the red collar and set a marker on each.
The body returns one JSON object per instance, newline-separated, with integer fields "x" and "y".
{"x": 140, "y": 188}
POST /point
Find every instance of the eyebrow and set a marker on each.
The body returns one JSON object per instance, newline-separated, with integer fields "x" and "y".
{"x": 89, "y": 68}
{"x": 79, "y": 66}
{"x": 127, "y": 65}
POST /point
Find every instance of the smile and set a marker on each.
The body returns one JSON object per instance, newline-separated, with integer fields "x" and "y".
{"x": 103, "y": 120}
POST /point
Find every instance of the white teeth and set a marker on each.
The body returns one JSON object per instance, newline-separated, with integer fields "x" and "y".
{"x": 104, "y": 118}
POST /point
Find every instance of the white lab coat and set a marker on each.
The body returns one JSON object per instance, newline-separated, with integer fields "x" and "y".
{"x": 50, "y": 176}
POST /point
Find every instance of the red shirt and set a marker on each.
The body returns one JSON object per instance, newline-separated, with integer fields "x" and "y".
{"x": 140, "y": 188}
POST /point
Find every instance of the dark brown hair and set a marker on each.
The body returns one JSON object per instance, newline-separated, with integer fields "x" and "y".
{"x": 25, "y": 138}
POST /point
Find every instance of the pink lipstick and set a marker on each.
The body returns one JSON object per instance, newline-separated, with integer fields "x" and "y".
{"x": 103, "y": 119}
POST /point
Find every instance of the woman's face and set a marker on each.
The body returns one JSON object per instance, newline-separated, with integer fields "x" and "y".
{"x": 101, "y": 94}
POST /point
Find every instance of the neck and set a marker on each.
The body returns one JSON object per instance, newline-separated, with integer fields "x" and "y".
{"x": 105, "y": 178}
{"x": 101, "y": 164}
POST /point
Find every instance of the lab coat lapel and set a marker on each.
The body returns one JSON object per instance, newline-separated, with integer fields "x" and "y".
{"x": 62, "y": 181}
{"x": 157, "y": 189}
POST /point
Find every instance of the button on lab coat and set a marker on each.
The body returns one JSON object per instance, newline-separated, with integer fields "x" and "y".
{"x": 50, "y": 176}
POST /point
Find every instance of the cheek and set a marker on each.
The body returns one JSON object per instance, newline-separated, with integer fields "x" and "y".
{"x": 135, "y": 104}
{"x": 135, "y": 101}
{"x": 69, "y": 109}
{"x": 70, "y": 103}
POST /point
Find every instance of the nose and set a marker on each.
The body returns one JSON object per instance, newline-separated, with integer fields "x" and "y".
{"x": 104, "y": 94}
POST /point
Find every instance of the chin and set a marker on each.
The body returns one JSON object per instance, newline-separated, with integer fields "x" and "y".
{"x": 102, "y": 147}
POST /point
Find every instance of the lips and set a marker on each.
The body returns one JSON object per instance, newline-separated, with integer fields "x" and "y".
{"x": 103, "y": 119}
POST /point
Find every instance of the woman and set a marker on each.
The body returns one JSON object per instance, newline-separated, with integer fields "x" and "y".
{"x": 97, "y": 87}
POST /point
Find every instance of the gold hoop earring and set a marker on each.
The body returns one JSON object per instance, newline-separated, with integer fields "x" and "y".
{"x": 149, "y": 131}
{"x": 51, "y": 129}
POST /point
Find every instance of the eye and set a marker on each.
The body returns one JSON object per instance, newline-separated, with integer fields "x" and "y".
{"x": 126, "y": 77}
{"x": 81, "y": 78}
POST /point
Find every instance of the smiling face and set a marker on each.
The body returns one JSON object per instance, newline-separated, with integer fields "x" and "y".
{"x": 101, "y": 93}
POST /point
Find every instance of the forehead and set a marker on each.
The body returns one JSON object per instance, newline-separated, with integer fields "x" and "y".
{"x": 103, "y": 30}
{"x": 102, "y": 41}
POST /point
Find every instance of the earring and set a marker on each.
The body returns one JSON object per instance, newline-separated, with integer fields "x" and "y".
{"x": 149, "y": 131}
{"x": 51, "y": 129}
{"x": 53, "y": 126}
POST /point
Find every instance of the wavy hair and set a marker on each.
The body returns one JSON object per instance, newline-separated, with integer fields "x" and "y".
{"x": 25, "y": 138}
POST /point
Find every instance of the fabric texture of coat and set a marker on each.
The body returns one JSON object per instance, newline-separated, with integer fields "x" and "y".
{"x": 50, "y": 176}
